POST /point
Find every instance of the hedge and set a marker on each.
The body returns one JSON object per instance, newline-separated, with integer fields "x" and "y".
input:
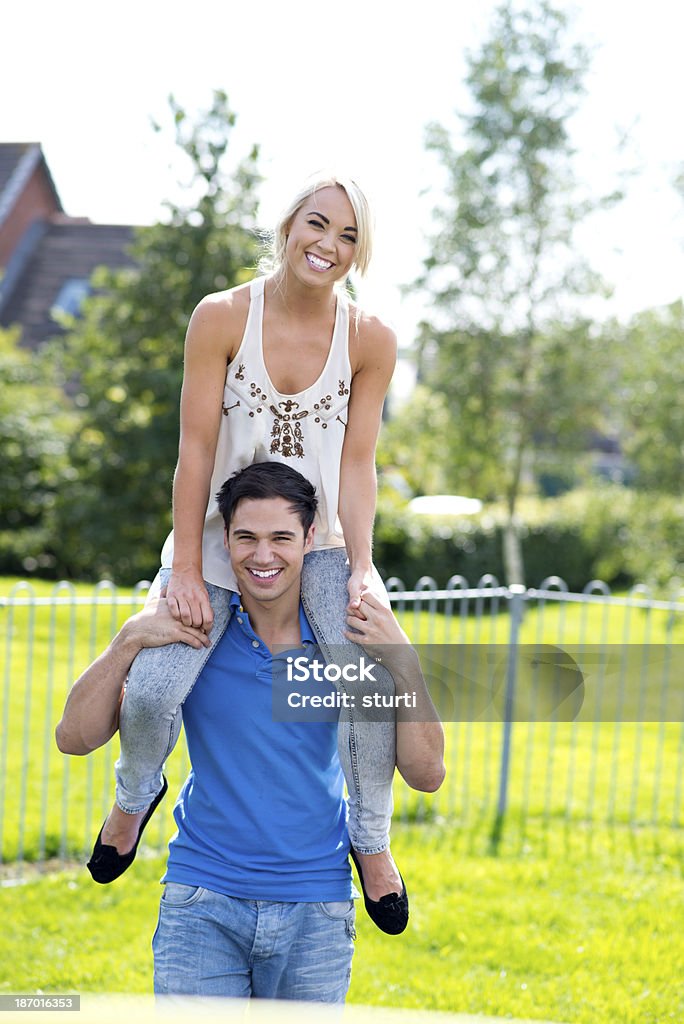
{"x": 610, "y": 533}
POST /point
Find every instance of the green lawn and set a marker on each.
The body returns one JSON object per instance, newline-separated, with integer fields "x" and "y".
{"x": 578, "y": 772}
{"x": 564, "y": 937}
{"x": 575, "y": 917}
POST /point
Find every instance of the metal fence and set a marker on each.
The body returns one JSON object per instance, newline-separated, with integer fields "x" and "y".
{"x": 533, "y": 750}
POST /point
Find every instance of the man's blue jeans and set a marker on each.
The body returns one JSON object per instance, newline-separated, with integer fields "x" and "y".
{"x": 213, "y": 945}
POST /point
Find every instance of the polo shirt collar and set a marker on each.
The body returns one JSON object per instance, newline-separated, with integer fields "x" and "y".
{"x": 308, "y": 636}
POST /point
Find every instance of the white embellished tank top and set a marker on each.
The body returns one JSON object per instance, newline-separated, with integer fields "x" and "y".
{"x": 259, "y": 424}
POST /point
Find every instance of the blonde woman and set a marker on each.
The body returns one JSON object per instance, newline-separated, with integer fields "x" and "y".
{"x": 284, "y": 368}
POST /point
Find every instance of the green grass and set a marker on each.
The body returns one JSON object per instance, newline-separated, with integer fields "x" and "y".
{"x": 560, "y": 937}
{"x": 575, "y": 916}
{"x": 48, "y": 802}
{"x": 575, "y": 772}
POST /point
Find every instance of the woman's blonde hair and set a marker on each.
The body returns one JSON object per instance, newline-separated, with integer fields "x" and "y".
{"x": 273, "y": 258}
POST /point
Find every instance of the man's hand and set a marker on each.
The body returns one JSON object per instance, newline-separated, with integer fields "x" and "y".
{"x": 91, "y": 713}
{"x": 188, "y": 598}
{"x": 155, "y": 626}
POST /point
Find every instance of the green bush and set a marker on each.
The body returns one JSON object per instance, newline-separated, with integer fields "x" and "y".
{"x": 36, "y": 424}
{"x": 26, "y": 551}
{"x": 608, "y": 532}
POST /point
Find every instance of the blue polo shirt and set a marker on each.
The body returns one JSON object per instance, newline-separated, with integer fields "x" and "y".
{"x": 262, "y": 814}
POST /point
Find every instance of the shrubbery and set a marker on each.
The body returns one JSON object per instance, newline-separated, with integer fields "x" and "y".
{"x": 610, "y": 533}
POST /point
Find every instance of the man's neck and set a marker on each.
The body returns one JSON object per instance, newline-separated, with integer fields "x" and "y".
{"x": 277, "y": 623}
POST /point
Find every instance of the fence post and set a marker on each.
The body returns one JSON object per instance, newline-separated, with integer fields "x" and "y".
{"x": 517, "y": 599}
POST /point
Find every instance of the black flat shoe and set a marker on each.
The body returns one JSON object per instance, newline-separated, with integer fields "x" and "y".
{"x": 106, "y": 863}
{"x": 390, "y": 913}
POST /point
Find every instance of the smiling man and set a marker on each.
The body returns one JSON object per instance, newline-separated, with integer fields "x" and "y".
{"x": 258, "y": 897}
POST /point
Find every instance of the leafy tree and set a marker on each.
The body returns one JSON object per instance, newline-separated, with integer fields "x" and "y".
{"x": 521, "y": 372}
{"x": 126, "y": 354}
{"x": 35, "y": 426}
{"x": 649, "y": 400}
{"x": 411, "y": 444}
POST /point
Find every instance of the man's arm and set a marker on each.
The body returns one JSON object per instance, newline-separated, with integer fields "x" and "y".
{"x": 420, "y": 737}
{"x": 91, "y": 712}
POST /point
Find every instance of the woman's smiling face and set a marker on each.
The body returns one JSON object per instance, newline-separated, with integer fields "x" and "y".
{"x": 321, "y": 243}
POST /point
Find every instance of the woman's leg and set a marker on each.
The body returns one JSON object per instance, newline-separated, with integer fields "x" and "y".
{"x": 367, "y": 748}
{"x": 159, "y": 681}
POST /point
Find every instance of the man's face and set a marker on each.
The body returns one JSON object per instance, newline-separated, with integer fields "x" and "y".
{"x": 266, "y": 544}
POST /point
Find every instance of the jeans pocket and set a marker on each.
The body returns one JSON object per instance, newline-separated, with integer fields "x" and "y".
{"x": 177, "y": 894}
{"x": 337, "y": 910}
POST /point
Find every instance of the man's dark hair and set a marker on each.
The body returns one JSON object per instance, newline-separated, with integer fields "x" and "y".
{"x": 269, "y": 480}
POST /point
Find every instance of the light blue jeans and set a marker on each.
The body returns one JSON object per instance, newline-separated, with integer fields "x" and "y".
{"x": 162, "y": 677}
{"x": 212, "y": 945}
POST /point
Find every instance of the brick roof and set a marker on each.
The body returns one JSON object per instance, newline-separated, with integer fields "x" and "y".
{"x": 58, "y": 251}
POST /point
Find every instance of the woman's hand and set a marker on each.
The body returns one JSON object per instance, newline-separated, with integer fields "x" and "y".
{"x": 373, "y": 625}
{"x": 188, "y": 600}
{"x": 360, "y": 582}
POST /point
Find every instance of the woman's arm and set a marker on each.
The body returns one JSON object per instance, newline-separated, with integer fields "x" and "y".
{"x": 212, "y": 339}
{"x": 373, "y": 354}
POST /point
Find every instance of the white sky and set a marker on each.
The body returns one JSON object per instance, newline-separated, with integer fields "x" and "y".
{"x": 349, "y": 85}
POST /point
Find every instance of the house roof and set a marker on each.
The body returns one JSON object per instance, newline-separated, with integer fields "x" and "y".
{"x": 10, "y": 155}
{"x": 52, "y": 253}
{"x": 18, "y": 160}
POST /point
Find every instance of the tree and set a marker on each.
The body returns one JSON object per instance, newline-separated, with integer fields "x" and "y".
{"x": 411, "y": 444}
{"x": 35, "y": 426}
{"x": 649, "y": 399}
{"x": 126, "y": 354}
{"x": 520, "y": 370}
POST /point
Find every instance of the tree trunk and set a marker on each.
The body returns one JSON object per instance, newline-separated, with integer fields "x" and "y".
{"x": 512, "y": 553}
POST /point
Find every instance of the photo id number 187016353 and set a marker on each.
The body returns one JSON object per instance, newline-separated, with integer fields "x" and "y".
{"x": 43, "y": 1001}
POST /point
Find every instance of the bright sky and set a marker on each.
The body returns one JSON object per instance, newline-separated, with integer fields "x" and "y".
{"x": 350, "y": 85}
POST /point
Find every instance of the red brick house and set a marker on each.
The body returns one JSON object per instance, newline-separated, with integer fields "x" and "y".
{"x": 46, "y": 257}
